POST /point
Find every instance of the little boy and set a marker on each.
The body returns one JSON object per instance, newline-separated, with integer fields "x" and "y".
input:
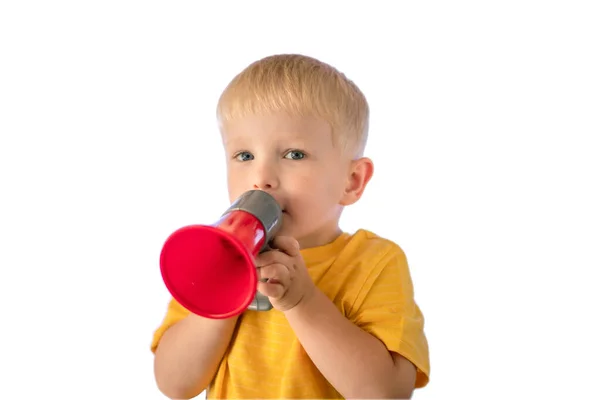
{"x": 345, "y": 323}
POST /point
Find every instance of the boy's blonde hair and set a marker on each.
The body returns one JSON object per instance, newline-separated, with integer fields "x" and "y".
{"x": 301, "y": 86}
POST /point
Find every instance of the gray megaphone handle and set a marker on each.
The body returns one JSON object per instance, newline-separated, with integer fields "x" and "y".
{"x": 265, "y": 208}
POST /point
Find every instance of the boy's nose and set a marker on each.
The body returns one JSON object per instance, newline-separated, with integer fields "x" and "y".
{"x": 265, "y": 184}
{"x": 266, "y": 179}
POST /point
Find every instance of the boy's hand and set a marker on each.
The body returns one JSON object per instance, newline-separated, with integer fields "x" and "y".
{"x": 287, "y": 279}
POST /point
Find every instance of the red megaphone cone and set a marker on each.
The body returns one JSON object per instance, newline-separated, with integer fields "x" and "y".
{"x": 209, "y": 269}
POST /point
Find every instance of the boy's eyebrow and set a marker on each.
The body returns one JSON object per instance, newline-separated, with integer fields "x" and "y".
{"x": 227, "y": 139}
{"x": 289, "y": 136}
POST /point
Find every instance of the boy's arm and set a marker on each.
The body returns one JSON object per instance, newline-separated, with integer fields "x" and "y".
{"x": 356, "y": 363}
{"x": 188, "y": 355}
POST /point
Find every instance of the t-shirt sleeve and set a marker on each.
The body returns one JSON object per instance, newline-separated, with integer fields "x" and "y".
{"x": 386, "y": 308}
{"x": 175, "y": 313}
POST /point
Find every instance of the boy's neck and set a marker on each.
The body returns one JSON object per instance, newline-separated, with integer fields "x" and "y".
{"x": 320, "y": 238}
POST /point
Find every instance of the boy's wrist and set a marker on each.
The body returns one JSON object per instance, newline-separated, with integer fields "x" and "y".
{"x": 308, "y": 302}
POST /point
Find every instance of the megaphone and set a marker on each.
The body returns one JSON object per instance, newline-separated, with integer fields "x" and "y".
{"x": 210, "y": 269}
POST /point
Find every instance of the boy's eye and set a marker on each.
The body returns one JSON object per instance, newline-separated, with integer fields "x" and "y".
{"x": 244, "y": 156}
{"x": 295, "y": 155}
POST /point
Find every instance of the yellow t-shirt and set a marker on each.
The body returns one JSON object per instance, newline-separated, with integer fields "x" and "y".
{"x": 367, "y": 278}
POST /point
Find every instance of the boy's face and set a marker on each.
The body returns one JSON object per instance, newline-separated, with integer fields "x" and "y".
{"x": 296, "y": 161}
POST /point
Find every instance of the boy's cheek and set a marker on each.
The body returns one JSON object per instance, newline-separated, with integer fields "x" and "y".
{"x": 236, "y": 184}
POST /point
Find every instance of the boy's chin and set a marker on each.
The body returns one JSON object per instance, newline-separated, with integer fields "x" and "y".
{"x": 285, "y": 230}
{"x": 287, "y": 226}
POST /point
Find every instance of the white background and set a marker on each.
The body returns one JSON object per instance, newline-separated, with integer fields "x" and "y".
{"x": 484, "y": 133}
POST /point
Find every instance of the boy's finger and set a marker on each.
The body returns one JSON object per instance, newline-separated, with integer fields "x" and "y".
{"x": 271, "y": 290}
{"x": 287, "y": 244}
{"x": 275, "y": 274}
{"x": 271, "y": 257}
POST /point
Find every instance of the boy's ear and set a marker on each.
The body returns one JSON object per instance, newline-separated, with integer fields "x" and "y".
{"x": 359, "y": 175}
